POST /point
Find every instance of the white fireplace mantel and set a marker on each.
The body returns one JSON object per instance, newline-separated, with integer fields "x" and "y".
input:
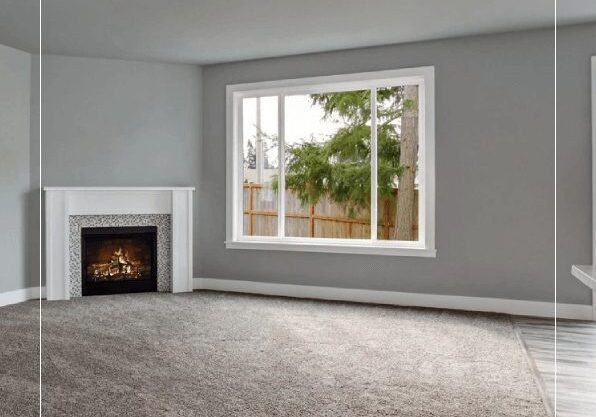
{"x": 63, "y": 202}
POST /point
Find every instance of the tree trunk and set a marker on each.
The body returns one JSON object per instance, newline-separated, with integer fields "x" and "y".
{"x": 404, "y": 216}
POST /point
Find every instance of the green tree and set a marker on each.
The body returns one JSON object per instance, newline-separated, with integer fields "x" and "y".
{"x": 340, "y": 166}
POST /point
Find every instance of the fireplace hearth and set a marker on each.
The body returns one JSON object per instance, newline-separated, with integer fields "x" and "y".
{"x": 118, "y": 259}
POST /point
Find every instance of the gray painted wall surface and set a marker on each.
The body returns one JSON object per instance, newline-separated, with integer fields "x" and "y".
{"x": 120, "y": 123}
{"x": 35, "y": 193}
{"x": 494, "y": 161}
{"x": 15, "y": 73}
{"x": 574, "y": 163}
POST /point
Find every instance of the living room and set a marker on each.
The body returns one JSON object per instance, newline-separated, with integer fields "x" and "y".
{"x": 297, "y": 208}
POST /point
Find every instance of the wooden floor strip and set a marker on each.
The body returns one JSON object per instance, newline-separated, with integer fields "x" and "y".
{"x": 575, "y": 367}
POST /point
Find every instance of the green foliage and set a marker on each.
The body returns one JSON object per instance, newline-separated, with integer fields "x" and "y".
{"x": 339, "y": 167}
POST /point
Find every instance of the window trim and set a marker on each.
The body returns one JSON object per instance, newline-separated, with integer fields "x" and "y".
{"x": 423, "y": 76}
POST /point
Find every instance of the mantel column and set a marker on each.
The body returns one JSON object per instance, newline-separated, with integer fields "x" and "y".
{"x": 182, "y": 280}
{"x": 56, "y": 250}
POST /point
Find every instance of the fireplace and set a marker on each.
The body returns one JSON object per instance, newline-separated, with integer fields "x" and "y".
{"x": 118, "y": 259}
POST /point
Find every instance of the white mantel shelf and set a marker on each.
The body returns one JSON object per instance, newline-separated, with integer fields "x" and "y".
{"x": 63, "y": 202}
{"x": 586, "y": 274}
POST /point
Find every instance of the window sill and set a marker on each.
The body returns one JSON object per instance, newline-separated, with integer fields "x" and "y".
{"x": 362, "y": 248}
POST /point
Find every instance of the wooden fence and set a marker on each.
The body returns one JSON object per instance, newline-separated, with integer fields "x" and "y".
{"x": 324, "y": 219}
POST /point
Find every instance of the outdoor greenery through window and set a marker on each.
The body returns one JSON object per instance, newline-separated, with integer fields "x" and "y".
{"x": 330, "y": 163}
{"x": 327, "y": 165}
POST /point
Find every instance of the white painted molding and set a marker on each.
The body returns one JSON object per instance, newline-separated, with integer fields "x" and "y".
{"x": 365, "y": 247}
{"x": 62, "y": 202}
{"x": 182, "y": 241}
{"x": 18, "y": 296}
{"x": 452, "y": 302}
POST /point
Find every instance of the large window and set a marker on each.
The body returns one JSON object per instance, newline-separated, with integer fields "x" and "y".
{"x": 333, "y": 164}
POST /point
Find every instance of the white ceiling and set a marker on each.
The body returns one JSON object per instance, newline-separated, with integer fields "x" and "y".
{"x": 208, "y": 31}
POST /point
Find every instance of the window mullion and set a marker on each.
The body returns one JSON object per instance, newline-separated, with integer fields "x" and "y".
{"x": 281, "y": 189}
{"x": 237, "y": 177}
{"x": 373, "y": 164}
{"x": 259, "y": 144}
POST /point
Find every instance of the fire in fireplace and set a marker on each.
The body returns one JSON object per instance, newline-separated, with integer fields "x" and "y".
{"x": 118, "y": 259}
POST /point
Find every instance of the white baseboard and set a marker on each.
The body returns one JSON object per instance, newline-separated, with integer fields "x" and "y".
{"x": 453, "y": 302}
{"x": 18, "y": 296}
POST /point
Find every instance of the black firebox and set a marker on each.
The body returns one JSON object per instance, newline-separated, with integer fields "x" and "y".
{"x": 118, "y": 259}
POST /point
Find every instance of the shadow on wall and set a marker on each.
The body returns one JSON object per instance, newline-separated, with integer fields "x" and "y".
{"x": 31, "y": 249}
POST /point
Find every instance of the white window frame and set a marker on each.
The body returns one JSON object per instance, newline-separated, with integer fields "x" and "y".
{"x": 424, "y": 247}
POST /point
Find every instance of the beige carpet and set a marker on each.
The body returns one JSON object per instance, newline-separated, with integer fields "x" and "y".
{"x": 212, "y": 354}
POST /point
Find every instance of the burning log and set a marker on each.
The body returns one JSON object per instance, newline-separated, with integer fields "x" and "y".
{"x": 119, "y": 266}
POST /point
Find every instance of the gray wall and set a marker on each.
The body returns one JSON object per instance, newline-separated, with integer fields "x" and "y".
{"x": 494, "y": 161}
{"x": 120, "y": 123}
{"x": 575, "y": 46}
{"x": 34, "y": 247}
{"x": 108, "y": 122}
{"x": 15, "y": 73}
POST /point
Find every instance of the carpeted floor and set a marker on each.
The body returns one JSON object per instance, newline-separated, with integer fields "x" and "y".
{"x": 215, "y": 354}
{"x": 19, "y": 360}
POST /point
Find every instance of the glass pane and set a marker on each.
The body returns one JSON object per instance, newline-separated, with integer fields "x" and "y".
{"x": 261, "y": 165}
{"x": 327, "y": 167}
{"x": 397, "y": 163}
